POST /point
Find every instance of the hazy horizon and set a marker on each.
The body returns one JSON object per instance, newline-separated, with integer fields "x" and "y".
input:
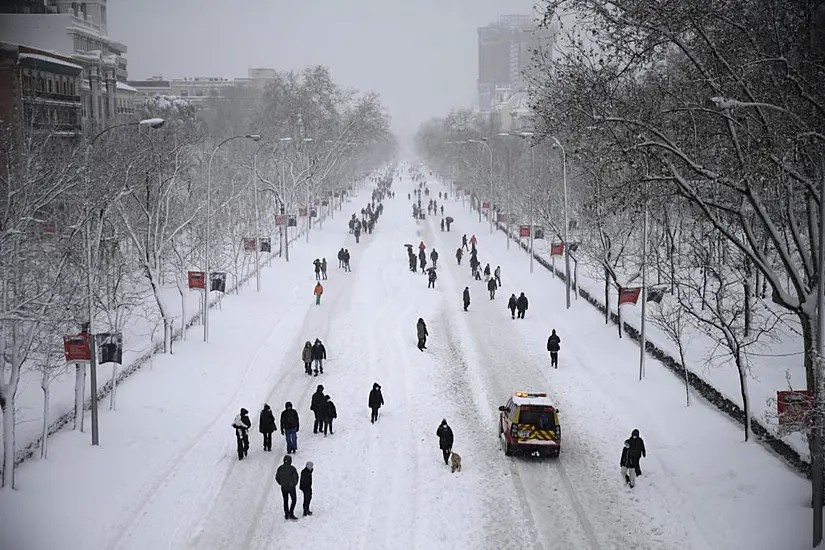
{"x": 421, "y": 59}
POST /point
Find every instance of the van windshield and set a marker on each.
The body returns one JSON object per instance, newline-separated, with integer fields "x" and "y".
{"x": 540, "y": 418}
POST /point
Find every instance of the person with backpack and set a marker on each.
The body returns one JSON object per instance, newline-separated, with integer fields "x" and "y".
{"x": 266, "y": 425}
{"x": 306, "y": 357}
{"x": 376, "y": 400}
{"x": 431, "y": 277}
{"x": 553, "y": 347}
{"x": 521, "y": 305}
{"x": 319, "y": 353}
{"x": 287, "y": 477}
{"x": 445, "y": 439}
{"x": 305, "y": 486}
{"x": 330, "y": 414}
{"x": 289, "y": 427}
{"x": 421, "y": 332}
{"x": 242, "y": 425}
{"x": 317, "y": 406}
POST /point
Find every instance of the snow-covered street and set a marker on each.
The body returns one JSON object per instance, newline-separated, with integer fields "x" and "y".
{"x": 167, "y": 475}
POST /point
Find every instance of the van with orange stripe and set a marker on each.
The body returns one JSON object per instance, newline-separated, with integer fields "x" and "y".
{"x": 529, "y": 424}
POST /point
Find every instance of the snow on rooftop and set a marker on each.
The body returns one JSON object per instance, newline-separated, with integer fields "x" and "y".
{"x": 125, "y": 87}
{"x": 48, "y": 59}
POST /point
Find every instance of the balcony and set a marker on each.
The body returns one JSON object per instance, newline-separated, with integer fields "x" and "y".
{"x": 29, "y": 93}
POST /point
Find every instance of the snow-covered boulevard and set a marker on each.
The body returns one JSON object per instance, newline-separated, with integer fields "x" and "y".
{"x": 167, "y": 474}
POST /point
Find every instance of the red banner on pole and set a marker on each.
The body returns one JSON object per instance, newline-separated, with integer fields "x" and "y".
{"x": 302, "y": 211}
{"x": 249, "y": 245}
{"x": 76, "y": 348}
{"x": 197, "y": 280}
{"x": 280, "y": 219}
{"x": 48, "y": 227}
{"x": 460, "y": 188}
{"x": 501, "y": 218}
{"x": 629, "y": 295}
{"x": 524, "y": 231}
{"x": 485, "y": 204}
{"x": 556, "y": 249}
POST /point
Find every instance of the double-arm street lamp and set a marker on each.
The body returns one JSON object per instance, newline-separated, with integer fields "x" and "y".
{"x": 528, "y": 136}
{"x": 557, "y": 143}
{"x": 208, "y": 282}
{"x": 489, "y": 150}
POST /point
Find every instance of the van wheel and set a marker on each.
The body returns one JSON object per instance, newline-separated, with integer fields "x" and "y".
{"x": 508, "y": 451}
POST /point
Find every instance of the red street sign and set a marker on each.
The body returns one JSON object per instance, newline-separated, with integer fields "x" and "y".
{"x": 197, "y": 280}
{"x": 48, "y": 227}
{"x": 485, "y": 204}
{"x": 794, "y": 407}
{"x": 501, "y": 218}
{"x": 76, "y": 348}
{"x": 460, "y": 188}
{"x": 302, "y": 211}
{"x": 280, "y": 219}
{"x": 556, "y": 249}
{"x": 524, "y": 231}
{"x": 249, "y": 245}
{"x": 629, "y": 295}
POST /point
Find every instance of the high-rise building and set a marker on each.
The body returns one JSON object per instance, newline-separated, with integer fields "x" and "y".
{"x": 505, "y": 50}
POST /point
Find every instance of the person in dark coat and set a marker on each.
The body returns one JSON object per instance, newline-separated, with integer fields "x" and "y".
{"x": 330, "y": 414}
{"x": 266, "y": 425}
{"x": 491, "y": 286}
{"x": 511, "y": 305}
{"x": 432, "y": 277}
{"x": 458, "y": 255}
{"x": 445, "y": 439}
{"x": 442, "y": 220}
{"x": 466, "y": 297}
{"x": 422, "y": 260}
{"x": 287, "y": 477}
{"x": 421, "y": 332}
{"x": 306, "y": 486}
{"x": 306, "y": 357}
{"x": 316, "y": 406}
{"x": 464, "y": 241}
{"x": 637, "y": 447}
{"x": 434, "y": 257}
{"x": 487, "y": 271}
{"x": 553, "y": 347}
{"x": 629, "y": 463}
{"x": 319, "y": 353}
{"x": 375, "y": 402}
{"x": 242, "y": 425}
{"x": 324, "y": 269}
{"x": 289, "y": 427}
{"x": 521, "y": 305}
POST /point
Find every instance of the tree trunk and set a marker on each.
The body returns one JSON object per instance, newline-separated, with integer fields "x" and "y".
{"x": 79, "y": 395}
{"x": 44, "y": 436}
{"x": 152, "y": 275}
{"x": 685, "y": 370}
{"x": 743, "y": 388}
{"x": 8, "y": 443}
{"x": 606, "y": 297}
{"x": 746, "y": 284}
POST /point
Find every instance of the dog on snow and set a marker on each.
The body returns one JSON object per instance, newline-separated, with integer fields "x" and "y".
{"x": 455, "y": 462}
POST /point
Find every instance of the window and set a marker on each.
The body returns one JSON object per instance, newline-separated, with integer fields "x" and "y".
{"x": 539, "y": 417}
{"x": 50, "y": 86}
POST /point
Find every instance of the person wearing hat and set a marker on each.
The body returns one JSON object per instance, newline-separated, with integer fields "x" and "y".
{"x": 306, "y": 487}
{"x": 242, "y": 425}
{"x": 637, "y": 447}
{"x": 266, "y": 425}
{"x": 287, "y": 477}
{"x": 319, "y": 353}
{"x": 317, "y": 406}
{"x": 629, "y": 464}
{"x": 445, "y": 439}
{"x": 375, "y": 402}
{"x": 289, "y": 427}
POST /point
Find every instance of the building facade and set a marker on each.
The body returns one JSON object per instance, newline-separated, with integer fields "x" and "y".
{"x": 39, "y": 93}
{"x": 77, "y": 30}
{"x": 505, "y": 50}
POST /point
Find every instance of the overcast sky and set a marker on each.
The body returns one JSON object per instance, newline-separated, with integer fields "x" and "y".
{"x": 420, "y": 55}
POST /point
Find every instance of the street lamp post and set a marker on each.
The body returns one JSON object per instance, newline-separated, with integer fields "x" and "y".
{"x": 528, "y": 135}
{"x": 489, "y": 150}
{"x": 308, "y": 198}
{"x": 558, "y": 144}
{"x": 208, "y": 282}
{"x": 153, "y": 123}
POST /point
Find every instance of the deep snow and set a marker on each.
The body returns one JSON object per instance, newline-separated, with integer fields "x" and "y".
{"x": 166, "y": 474}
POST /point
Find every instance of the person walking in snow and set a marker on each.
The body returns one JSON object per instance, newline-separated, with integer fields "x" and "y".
{"x": 375, "y": 402}
{"x": 434, "y": 258}
{"x": 458, "y": 255}
{"x": 445, "y": 439}
{"x": 347, "y": 267}
{"x": 442, "y": 221}
{"x": 306, "y": 357}
{"x": 242, "y": 425}
{"x": 289, "y": 427}
{"x": 521, "y": 305}
{"x": 497, "y": 275}
{"x": 330, "y": 414}
{"x": 319, "y": 353}
{"x": 340, "y": 258}
{"x": 486, "y": 272}
{"x": 317, "y": 264}
{"x": 637, "y": 447}
{"x": 266, "y": 425}
{"x": 421, "y": 332}
{"x": 422, "y": 259}
{"x": 553, "y": 347}
{"x": 305, "y": 486}
{"x": 324, "y": 269}
{"x": 491, "y": 286}
{"x": 473, "y": 241}
{"x": 432, "y": 277}
{"x": 421, "y": 246}
{"x": 466, "y": 297}
{"x": 316, "y": 406}
{"x": 464, "y": 242}
{"x": 287, "y": 477}
{"x": 319, "y": 289}
{"x": 511, "y": 305}
{"x": 628, "y": 463}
